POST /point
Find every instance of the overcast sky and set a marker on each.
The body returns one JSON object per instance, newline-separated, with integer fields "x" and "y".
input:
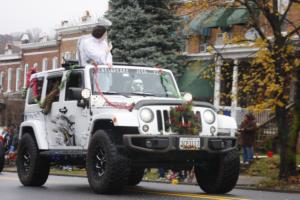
{"x": 20, "y": 15}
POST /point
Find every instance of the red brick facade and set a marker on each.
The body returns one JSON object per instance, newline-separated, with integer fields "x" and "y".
{"x": 10, "y": 106}
{"x": 45, "y": 55}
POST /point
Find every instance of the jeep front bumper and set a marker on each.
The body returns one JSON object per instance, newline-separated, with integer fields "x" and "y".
{"x": 171, "y": 143}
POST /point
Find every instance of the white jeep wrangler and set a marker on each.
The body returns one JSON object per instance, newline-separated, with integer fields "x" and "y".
{"x": 116, "y": 122}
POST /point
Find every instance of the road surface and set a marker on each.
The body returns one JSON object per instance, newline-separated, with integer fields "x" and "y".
{"x": 73, "y": 188}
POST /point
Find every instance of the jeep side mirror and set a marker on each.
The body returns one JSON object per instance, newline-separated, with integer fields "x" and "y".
{"x": 79, "y": 94}
{"x": 74, "y": 93}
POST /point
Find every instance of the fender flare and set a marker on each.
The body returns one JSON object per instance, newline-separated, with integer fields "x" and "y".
{"x": 226, "y": 122}
{"x": 39, "y": 132}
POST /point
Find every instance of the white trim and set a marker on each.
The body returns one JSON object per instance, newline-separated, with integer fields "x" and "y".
{"x": 1, "y": 81}
{"x": 54, "y": 62}
{"x": 234, "y": 89}
{"x": 9, "y": 80}
{"x": 26, "y": 68}
{"x": 76, "y": 28}
{"x": 217, "y": 87}
{"x": 73, "y": 38}
{"x": 10, "y": 63}
{"x": 39, "y": 53}
{"x": 39, "y": 44}
{"x": 10, "y": 57}
{"x": 18, "y": 79}
{"x": 45, "y": 64}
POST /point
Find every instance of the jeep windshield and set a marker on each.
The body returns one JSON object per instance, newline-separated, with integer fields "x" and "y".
{"x": 134, "y": 82}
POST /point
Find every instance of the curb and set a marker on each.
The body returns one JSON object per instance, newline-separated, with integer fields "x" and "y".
{"x": 266, "y": 189}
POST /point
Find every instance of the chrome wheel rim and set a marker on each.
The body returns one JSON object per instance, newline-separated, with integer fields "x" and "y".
{"x": 100, "y": 163}
{"x": 26, "y": 161}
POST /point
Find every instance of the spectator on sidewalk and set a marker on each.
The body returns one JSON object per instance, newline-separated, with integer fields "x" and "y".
{"x": 161, "y": 173}
{"x": 248, "y": 130}
{"x": 6, "y": 138}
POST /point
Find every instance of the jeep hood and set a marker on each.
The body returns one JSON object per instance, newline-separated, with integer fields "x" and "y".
{"x": 140, "y": 101}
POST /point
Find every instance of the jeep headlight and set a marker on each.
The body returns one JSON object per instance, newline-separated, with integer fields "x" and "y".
{"x": 209, "y": 116}
{"x": 147, "y": 115}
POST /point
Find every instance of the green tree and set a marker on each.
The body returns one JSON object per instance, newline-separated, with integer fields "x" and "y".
{"x": 145, "y": 31}
{"x": 278, "y": 57}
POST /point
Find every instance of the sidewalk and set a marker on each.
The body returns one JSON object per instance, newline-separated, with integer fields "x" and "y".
{"x": 249, "y": 181}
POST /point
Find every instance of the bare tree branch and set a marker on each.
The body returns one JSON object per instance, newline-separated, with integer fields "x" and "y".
{"x": 284, "y": 15}
{"x": 296, "y": 30}
{"x": 253, "y": 18}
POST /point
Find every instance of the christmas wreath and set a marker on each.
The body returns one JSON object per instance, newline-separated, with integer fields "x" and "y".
{"x": 184, "y": 120}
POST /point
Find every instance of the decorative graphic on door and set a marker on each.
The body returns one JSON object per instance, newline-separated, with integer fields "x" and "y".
{"x": 64, "y": 128}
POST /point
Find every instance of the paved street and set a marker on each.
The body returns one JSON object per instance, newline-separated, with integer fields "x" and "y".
{"x": 73, "y": 188}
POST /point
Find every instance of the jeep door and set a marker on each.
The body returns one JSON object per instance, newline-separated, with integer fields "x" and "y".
{"x": 76, "y": 118}
{"x": 67, "y": 123}
{"x": 53, "y": 101}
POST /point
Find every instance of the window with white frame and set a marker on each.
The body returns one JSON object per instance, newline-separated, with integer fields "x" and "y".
{"x": 54, "y": 63}
{"x": 67, "y": 55}
{"x": 18, "y": 79}
{"x": 26, "y": 67}
{"x": 9, "y": 80}
{"x": 1, "y": 80}
{"x": 45, "y": 64}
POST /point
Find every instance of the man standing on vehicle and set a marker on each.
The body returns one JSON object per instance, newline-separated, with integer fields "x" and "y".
{"x": 94, "y": 48}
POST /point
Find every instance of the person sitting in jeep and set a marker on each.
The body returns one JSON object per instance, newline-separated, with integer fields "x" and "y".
{"x": 137, "y": 85}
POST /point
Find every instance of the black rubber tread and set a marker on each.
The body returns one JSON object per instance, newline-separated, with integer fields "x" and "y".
{"x": 39, "y": 167}
{"x": 135, "y": 176}
{"x": 220, "y": 175}
{"x": 2, "y": 157}
{"x": 116, "y": 172}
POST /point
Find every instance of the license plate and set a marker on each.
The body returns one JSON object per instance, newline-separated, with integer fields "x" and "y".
{"x": 189, "y": 143}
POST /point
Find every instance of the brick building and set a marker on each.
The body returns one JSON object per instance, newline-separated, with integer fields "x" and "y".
{"x": 10, "y": 84}
{"x": 46, "y": 54}
{"x": 211, "y": 26}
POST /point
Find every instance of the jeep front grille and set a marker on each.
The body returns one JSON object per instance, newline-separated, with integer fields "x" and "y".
{"x": 164, "y": 120}
{"x": 159, "y": 120}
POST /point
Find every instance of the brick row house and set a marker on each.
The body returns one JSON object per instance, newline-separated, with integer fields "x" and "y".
{"x": 10, "y": 80}
{"x": 212, "y": 26}
{"x": 46, "y": 54}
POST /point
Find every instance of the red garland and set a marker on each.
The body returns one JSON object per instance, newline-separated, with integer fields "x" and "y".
{"x": 129, "y": 107}
{"x": 35, "y": 88}
{"x": 28, "y": 75}
{"x": 33, "y": 82}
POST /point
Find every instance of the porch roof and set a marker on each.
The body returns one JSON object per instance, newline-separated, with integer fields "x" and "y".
{"x": 220, "y": 17}
{"x": 196, "y": 25}
{"x": 239, "y": 16}
{"x": 217, "y": 18}
{"x": 192, "y": 81}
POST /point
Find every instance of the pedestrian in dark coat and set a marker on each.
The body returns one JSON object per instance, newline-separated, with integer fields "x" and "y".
{"x": 248, "y": 130}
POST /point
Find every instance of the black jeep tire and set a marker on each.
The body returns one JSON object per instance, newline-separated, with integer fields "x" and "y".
{"x": 2, "y": 157}
{"x": 135, "y": 176}
{"x": 33, "y": 170}
{"x": 107, "y": 170}
{"x": 220, "y": 175}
